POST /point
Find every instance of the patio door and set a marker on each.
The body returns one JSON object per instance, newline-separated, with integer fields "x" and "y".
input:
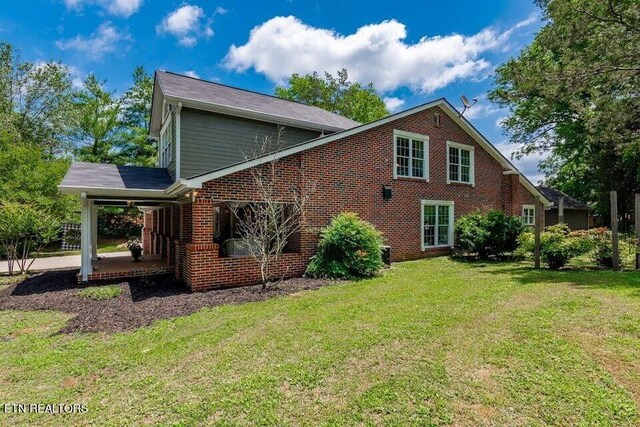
{"x": 436, "y": 224}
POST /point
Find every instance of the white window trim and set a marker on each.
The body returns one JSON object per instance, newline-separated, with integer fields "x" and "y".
{"x": 472, "y": 168}
{"x": 534, "y": 214}
{"x": 451, "y": 205}
{"x": 411, "y": 135}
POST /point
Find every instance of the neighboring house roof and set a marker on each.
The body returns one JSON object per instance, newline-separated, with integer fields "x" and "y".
{"x": 554, "y": 196}
{"x": 206, "y": 95}
{"x": 198, "y": 180}
{"x": 95, "y": 178}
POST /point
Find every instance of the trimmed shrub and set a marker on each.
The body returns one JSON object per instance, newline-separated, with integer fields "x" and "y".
{"x": 349, "y": 248}
{"x": 557, "y": 245}
{"x": 487, "y": 234}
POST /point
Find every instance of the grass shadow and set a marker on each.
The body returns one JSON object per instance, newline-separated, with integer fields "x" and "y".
{"x": 580, "y": 276}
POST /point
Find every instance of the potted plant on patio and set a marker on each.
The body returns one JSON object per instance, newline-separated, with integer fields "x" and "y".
{"x": 135, "y": 247}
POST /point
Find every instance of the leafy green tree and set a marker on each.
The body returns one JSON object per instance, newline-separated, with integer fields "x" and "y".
{"x": 574, "y": 92}
{"x": 98, "y": 112}
{"x": 35, "y": 101}
{"x": 24, "y": 230}
{"x": 133, "y": 143}
{"x": 335, "y": 94}
{"x": 30, "y": 176}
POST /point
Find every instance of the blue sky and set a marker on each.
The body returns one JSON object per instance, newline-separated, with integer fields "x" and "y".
{"x": 412, "y": 51}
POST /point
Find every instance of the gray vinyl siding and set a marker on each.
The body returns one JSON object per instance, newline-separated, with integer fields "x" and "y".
{"x": 211, "y": 141}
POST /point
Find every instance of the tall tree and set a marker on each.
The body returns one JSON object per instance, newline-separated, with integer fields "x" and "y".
{"x": 35, "y": 101}
{"x": 575, "y": 93}
{"x": 135, "y": 147}
{"x": 98, "y": 112}
{"x": 335, "y": 94}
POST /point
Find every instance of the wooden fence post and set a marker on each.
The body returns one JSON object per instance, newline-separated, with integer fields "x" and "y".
{"x": 538, "y": 230}
{"x": 614, "y": 230}
{"x": 637, "y": 225}
{"x": 561, "y": 210}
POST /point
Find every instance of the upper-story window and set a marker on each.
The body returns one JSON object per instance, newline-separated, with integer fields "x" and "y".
{"x": 411, "y": 155}
{"x": 167, "y": 140}
{"x": 460, "y": 163}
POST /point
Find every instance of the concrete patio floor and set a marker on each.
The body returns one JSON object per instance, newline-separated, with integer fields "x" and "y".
{"x": 60, "y": 262}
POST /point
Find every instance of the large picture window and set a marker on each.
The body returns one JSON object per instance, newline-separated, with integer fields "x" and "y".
{"x": 460, "y": 164}
{"x": 437, "y": 223}
{"x": 411, "y": 155}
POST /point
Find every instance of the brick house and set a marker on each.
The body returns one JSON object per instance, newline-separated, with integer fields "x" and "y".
{"x": 410, "y": 174}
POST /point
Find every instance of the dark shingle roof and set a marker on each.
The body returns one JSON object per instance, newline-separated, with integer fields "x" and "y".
{"x": 189, "y": 88}
{"x": 554, "y": 196}
{"x": 100, "y": 175}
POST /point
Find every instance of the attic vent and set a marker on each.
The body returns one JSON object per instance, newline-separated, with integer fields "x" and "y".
{"x": 436, "y": 119}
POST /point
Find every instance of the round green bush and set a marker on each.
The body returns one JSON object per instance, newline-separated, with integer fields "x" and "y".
{"x": 487, "y": 234}
{"x": 557, "y": 245}
{"x": 349, "y": 248}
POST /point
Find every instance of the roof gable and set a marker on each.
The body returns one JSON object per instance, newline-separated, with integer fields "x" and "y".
{"x": 197, "y": 181}
{"x": 210, "y": 96}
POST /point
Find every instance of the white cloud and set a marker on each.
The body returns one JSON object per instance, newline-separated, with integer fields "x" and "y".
{"x": 375, "y": 53}
{"x": 480, "y": 111}
{"x": 392, "y": 103}
{"x": 187, "y": 24}
{"x": 122, "y": 8}
{"x": 106, "y": 39}
{"x": 73, "y": 4}
{"x": 192, "y": 73}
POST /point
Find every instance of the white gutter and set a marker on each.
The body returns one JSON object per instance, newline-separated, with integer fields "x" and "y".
{"x": 115, "y": 192}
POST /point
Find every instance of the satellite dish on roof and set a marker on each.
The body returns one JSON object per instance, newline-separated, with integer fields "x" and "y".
{"x": 467, "y": 104}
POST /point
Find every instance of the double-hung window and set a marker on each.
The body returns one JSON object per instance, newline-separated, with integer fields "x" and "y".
{"x": 411, "y": 155}
{"x": 460, "y": 164}
{"x": 437, "y": 223}
{"x": 167, "y": 138}
{"x": 529, "y": 215}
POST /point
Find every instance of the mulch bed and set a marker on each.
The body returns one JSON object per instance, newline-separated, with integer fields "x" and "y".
{"x": 141, "y": 302}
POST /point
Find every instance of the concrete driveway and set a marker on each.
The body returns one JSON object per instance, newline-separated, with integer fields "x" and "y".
{"x": 58, "y": 262}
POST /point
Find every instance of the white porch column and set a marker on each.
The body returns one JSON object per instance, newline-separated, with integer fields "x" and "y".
{"x": 94, "y": 231}
{"x": 85, "y": 237}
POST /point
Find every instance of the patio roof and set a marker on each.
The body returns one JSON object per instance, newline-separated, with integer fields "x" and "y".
{"x": 99, "y": 179}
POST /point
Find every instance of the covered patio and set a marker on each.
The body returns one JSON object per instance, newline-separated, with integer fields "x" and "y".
{"x": 110, "y": 185}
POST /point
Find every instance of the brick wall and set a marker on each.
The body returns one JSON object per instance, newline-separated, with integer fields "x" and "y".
{"x": 348, "y": 175}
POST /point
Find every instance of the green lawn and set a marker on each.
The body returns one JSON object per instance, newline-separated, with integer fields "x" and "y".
{"x": 101, "y": 292}
{"x": 104, "y": 246}
{"x": 432, "y": 342}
